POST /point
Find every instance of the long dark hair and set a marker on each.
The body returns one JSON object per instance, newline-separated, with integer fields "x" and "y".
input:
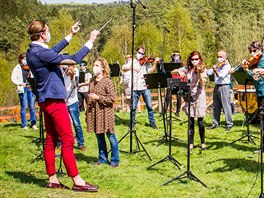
{"x": 189, "y": 60}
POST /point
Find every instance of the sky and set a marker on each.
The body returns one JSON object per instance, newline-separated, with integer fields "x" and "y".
{"x": 77, "y": 1}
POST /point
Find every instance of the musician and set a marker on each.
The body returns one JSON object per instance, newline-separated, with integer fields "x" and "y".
{"x": 176, "y": 58}
{"x": 125, "y": 80}
{"x": 100, "y": 116}
{"x": 70, "y": 75}
{"x": 221, "y": 94}
{"x": 19, "y": 77}
{"x": 256, "y": 70}
{"x": 196, "y": 77}
{"x": 83, "y": 87}
{"x": 51, "y": 94}
{"x": 139, "y": 85}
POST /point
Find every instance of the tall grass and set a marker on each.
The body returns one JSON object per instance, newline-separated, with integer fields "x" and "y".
{"x": 229, "y": 170}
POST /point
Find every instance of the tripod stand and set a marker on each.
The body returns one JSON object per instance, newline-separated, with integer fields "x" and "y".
{"x": 169, "y": 156}
{"x": 261, "y": 109}
{"x": 41, "y": 136}
{"x": 188, "y": 173}
{"x": 131, "y": 131}
{"x": 248, "y": 135}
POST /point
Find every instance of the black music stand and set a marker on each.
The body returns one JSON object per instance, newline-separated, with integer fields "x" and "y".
{"x": 168, "y": 67}
{"x": 41, "y": 140}
{"x": 114, "y": 70}
{"x": 154, "y": 81}
{"x": 169, "y": 156}
{"x": 188, "y": 173}
{"x": 243, "y": 78}
{"x": 81, "y": 77}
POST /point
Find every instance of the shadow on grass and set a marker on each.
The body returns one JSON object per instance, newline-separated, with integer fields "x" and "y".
{"x": 219, "y": 145}
{"x": 26, "y": 178}
{"x": 87, "y": 159}
{"x": 236, "y": 164}
{"x": 12, "y": 125}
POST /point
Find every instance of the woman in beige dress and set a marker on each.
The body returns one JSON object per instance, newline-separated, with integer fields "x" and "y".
{"x": 196, "y": 77}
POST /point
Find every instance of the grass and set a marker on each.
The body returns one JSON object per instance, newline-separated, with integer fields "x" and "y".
{"x": 229, "y": 170}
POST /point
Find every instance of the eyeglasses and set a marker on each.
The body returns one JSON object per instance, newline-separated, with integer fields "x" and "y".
{"x": 195, "y": 59}
{"x": 254, "y": 50}
{"x": 141, "y": 53}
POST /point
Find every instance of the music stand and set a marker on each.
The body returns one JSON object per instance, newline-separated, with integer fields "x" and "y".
{"x": 31, "y": 81}
{"x": 114, "y": 70}
{"x": 154, "y": 81}
{"x": 81, "y": 77}
{"x": 169, "y": 156}
{"x": 243, "y": 78}
{"x": 211, "y": 77}
{"x": 169, "y": 67}
{"x": 188, "y": 173}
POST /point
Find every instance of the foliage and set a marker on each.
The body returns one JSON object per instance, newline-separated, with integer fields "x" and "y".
{"x": 203, "y": 25}
{"x": 229, "y": 170}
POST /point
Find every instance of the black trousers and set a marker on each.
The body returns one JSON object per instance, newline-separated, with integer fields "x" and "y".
{"x": 201, "y": 129}
{"x": 82, "y": 96}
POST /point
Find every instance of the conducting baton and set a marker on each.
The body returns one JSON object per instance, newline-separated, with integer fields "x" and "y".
{"x": 105, "y": 24}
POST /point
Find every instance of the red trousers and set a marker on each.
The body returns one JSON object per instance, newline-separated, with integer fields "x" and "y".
{"x": 58, "y": 124}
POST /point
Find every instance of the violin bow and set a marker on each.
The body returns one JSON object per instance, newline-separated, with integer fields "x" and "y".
{"x": 105, "y": 24}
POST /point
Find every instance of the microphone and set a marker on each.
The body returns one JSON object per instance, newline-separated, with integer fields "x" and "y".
{"x": 142, "y": 4}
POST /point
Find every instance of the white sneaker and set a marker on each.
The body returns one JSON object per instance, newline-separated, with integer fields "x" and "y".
{"x": 35, "y": 127}
{"x": 25, "y": 128}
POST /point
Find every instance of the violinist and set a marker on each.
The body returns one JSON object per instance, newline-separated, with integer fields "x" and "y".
{"x": 141, "y": 65}
{"x": 195, "y": 73}
{"x": 176, "y": 58}
{"x": 221, "y": 93}
{"x": 70, "y": 76}
{"x": 83, "y": 86}
{"x": 255, "y": 69}
{"x": 19, "y": 77}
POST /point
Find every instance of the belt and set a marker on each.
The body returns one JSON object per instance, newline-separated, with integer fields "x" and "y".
{"x": 220, "y": 85}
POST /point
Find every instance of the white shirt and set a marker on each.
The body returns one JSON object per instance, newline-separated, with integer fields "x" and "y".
{"x": 71, "y": 87}
{"x": 139, "y": 82}
{"x": 224, "y": 76}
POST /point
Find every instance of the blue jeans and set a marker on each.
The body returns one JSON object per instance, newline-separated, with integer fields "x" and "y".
{"x": 27, "y": 98}
{"x": 148, "y": 101}
{"x": 75, "y": 117}
{"x": 103, "y": 157}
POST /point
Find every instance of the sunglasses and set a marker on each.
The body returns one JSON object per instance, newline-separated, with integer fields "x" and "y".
{"x": 219, "y": 56}
{"x": 195, "y": 59}
{"x": 141, "y": 53}
{"x": 255, "y": 50}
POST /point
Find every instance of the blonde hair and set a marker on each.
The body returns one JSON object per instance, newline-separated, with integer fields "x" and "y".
{"x": 105, "y": 66}
{"x": 34, "y": 28}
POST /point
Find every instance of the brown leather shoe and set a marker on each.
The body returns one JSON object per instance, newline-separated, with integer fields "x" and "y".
{"x": 55, "y": 185}
{"x": 88, "y": 187}
{"x": 82, "y": 148}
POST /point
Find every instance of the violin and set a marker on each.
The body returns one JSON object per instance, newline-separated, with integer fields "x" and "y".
{"x": 145, "y": 59}
{"x": 25, "y": 67}
{"x": 252, "y": 61}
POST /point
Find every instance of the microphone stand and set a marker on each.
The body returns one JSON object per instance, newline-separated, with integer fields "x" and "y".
{"x": 131, "y": 131}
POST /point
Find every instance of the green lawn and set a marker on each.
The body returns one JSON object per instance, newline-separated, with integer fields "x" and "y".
{"x": 229, "y": 170}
